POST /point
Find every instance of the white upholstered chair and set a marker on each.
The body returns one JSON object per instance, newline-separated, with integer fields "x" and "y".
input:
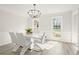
{"x": 15, "y": 41}
{"x": 44, "y": 45}
{"x": 39, "y": 39}
{"x": 24, "y": 41}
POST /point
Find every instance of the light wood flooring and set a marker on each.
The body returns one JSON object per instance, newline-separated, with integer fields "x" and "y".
{"x": 58, "y": 49}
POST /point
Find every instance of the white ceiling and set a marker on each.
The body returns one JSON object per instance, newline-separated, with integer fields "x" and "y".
{"x": 21, "y": 9}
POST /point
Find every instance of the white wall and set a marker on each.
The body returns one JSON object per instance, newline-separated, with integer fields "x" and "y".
{"x": 75, "y": 26}
{"x": 67, "y": 26}
{"x": 45, "y": 24}
{"x": 10, "y": 22}
{"x": 4, "y": 38}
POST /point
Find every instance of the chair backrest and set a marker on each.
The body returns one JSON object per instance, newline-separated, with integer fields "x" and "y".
{"x": 13, "y": 37}
{"x": 43, "y": 38}
{"x": 22, "y": 38}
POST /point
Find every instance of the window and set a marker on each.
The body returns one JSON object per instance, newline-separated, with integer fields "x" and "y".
{"x": 56, "y": 22}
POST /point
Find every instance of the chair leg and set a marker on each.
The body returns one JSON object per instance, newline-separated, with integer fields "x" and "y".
{"x": 15, "y": 48}
{"x": 24, "y": 49}
{"x": 32, "y": 47}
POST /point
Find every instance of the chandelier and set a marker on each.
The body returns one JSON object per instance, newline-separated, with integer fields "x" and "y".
{"x": 34, "y": 13}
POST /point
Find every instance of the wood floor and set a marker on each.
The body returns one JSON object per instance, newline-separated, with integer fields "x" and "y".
{"x": 58, "y": 49}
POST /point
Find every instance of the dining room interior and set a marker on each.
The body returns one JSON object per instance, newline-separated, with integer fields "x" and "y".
{"x": 39, "y": 29}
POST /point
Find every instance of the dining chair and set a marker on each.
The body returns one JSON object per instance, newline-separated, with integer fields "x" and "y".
{"x": 15, "y": 41}
{"x": 41, "y": 39}
{"x": 24, "y": 41}
{"x": 46, "y": 46}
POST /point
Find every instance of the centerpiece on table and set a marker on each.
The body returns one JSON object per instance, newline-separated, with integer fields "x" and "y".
{"x": 28, "y": 31}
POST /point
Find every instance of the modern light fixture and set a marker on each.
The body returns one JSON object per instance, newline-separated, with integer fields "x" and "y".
{"x": 34, "y": 13}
